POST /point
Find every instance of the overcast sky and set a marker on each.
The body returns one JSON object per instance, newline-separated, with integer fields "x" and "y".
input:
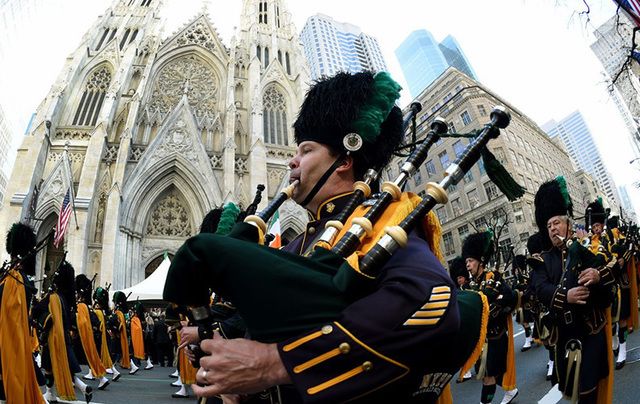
{"x": 533, "y": 53}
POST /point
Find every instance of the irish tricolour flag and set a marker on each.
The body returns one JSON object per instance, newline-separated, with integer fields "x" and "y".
{"x": 274, "y": 228}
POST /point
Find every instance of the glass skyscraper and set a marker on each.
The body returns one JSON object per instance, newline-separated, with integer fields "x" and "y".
{"x": 332, "y": 46}
{"x": 423, "y": 59}
{"x": 577, "y": 138}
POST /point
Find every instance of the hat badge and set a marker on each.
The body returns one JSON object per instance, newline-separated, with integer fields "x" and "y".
{"x": 352, "y": 142}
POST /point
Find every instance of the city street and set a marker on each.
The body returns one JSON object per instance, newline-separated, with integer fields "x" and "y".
{"x": 531, "y": 370}
{"x": 153, "y": 386}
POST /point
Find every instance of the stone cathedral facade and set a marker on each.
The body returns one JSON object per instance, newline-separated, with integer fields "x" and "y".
{"x": 149, "y": 132}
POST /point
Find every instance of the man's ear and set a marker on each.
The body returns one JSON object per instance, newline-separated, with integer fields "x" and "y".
{"x": 346, "y": 164}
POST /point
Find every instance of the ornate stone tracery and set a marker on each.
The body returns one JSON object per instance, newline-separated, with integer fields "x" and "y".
{"x": 188, "y": 74}
{"x": 169, "y": 218}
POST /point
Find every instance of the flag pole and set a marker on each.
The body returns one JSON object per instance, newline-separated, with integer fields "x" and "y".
{"x": 73, "y": 199}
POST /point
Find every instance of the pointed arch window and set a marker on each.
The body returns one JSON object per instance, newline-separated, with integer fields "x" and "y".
{"x": 286, "y": 59}
{"x": 275, "y": 117}
{"x": 146, "y": 3}
{"x": 123, "y": 41}
{"x": 262, "y": 13}
{"x": 280, "y": 56}
{"x": 92, "y": 97}
{"x": 277, "y": 16}
{"x": 104, "y": 36}
{"x": 259, "y": 52}
{"x": 266, "y": 56}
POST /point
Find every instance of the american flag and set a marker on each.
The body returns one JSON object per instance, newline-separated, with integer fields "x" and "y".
{"x": 632, "y": 7}
{"x": 63, "y": 219}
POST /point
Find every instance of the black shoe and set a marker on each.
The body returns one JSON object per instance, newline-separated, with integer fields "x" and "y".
{"x": 525, "y": 349}
{"x": 620, "y": 365}
{"x": 88, "y": 394}
{"x": 175, "y": 395}
{"x": 116, "y": 377}
{"x": 104, "y": 386}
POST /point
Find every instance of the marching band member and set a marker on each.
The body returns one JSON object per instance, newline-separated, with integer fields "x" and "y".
{"x": 499, "y": 365}
{"x": 577, "y": 289}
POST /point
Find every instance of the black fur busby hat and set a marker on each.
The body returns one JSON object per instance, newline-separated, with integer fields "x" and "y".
{"x": 457, "y": 268}
{"x": 478, "y": 246}
{"x": 552, "y": 199}
{"x": 84, "y": 287}
{"x": 120, "y": 301}
{"x": 613, "y": 222}
{"x": 536, "y": 243}
{"x": 594, "y": 213}
{"x": 139, "y": 309}
{"x": 21, "y": 239}
{"x": 338, "y": 107}
{"x": 101, "y": 297}
{"x": 210, "y": 221}
{"x": 64, "y": 283}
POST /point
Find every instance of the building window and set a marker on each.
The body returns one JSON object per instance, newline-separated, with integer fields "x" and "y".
{"x": 517, "y": 212}
{"x": 481, "y": 167}
{"x": 262, "y": 13}
{"x": 491, "y": 190}
{"x": 417, "y": 177}
{"x": 275, "y": 117}
{"x": 482, "y": 111}
{"x": 480, "y": 223}
{"x": 452, "y": 127}
{"x": 431, "y": 168}
{"x": 92, "y": 97}
{"x": 472, "y": 196}
{"x": 286, "y": 60}
{"x": 442, "y": 214}
{"x": 449, "y": 247}
{"x": 259, "y": 52}
{"x": 444, "y": 159}
{"x": 458, "y": 148}
{"x": 266, "y": 56}
{"x": 524, "y": 236}
{"x": 468, "y": 177}
{"x": 456, "y": 206}
{"x": 463, "y": 231}
{"x": 466, "y": 118}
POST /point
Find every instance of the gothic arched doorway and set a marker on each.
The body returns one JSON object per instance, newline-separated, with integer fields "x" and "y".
{"x": 53, "y": 255}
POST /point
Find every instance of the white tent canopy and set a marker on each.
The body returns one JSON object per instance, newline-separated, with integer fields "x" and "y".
{"x": 152, "y": 287}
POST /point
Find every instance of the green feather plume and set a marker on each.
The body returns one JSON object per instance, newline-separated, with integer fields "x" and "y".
{"x": 228, "y": 218}
{"x": 562, "y": 183}
{"x": 501, "y": 177}
{"x": 385, "y": 91}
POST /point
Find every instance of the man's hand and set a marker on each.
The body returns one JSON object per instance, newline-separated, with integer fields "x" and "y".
{"x": 188, "y": 336}
{"x": 578, "y": 295}
{"x": 588, "y": 277}
{"x": 581, "y": 234}
{"x": 238, "y": 366}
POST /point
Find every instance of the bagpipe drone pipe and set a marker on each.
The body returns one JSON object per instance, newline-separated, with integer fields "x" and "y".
{"x": 280, "y": 295}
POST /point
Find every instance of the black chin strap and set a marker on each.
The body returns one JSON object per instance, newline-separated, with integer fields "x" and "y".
{"x": 324, "y": 179}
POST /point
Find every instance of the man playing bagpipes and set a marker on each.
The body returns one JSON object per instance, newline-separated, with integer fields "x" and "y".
{"x": 18, "y": 380}
{"x": 498, "y": 359}
{"x": 54, "y": 318}
{"x": 460, "y": 277}
{"x": 380, "y": 350}
{"x": 522, "y": 284}
{"x": 317, "y": 315}
{"x": 103, "y": 312}
{"x": 117, "y": 325}
{"x": 577, "y": 289}
{"x": 88, "y": 326}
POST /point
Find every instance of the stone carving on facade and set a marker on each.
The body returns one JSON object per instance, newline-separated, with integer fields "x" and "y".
{"x": 169, "y": 218}
{"x": 111, "y": 152}
{"x": 274, "y": 74}
{"x": 274, "y": 178}
{"x": 135, "y": 153}
{"x": 72, "y": 133}
{"x": 280, "y": 154}
{"x": 241, "y": 165}
{"x": 56, "y": 187}
{"x": 216, "y": 161}
{"x": 177, "y": 141}
{"x": 190, "y": 75}
{"x": 197, "y": 34}
{"x": 256, "y": 102}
